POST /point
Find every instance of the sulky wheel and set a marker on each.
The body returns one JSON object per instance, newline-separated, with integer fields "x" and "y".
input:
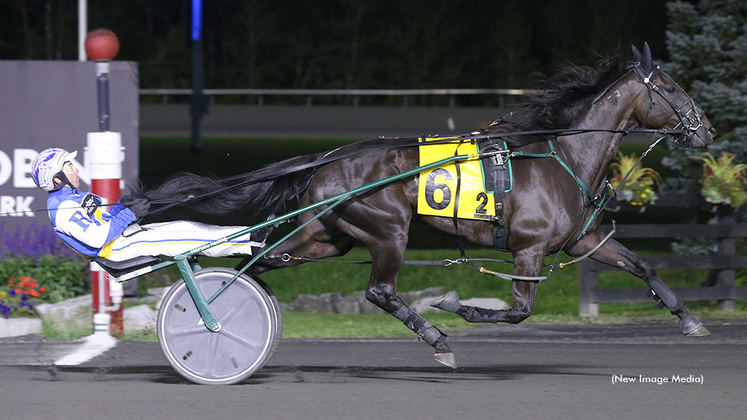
{"x": 278, "y": 316}
{"x": 248, "y": 336}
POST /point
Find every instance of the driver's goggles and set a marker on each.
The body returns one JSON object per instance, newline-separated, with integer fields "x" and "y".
{"x": 68, "y": 167}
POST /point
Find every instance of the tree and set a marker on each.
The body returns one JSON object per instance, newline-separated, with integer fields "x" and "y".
{"x": 708, "y": 51}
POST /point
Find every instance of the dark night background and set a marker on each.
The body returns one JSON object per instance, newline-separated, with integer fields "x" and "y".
{"x": 343, "y": 43}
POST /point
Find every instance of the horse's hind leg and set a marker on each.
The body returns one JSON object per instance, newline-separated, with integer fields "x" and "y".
{"x": 528, "y": 264}
{"x": 315, "y": 242}
{"x": 617, "y": 255}
{"x": 387, "y": 258}
{"x": 450, "y": 302}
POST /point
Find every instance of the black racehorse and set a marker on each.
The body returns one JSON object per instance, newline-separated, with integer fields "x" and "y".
{"x": 544, "y": 213}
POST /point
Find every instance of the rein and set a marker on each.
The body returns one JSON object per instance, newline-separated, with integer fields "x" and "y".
{"x": 330, "y": 159}
{"x": 472, "y": 136}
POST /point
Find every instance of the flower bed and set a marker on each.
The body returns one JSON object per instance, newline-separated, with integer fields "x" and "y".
{"x": 19, "y": 298}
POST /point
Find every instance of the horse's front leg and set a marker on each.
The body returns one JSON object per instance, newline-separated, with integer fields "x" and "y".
{"x": 528, "y": 263}
{"x": 615, "y": 254}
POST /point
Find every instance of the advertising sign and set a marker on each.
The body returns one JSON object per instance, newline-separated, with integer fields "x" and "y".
{"x": 54, "y": 104}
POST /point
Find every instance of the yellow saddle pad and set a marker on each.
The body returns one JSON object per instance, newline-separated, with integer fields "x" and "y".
{"x": 455, "y": 189}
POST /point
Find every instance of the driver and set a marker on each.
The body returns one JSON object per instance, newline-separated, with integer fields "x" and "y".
{"x": 81, "y": 221}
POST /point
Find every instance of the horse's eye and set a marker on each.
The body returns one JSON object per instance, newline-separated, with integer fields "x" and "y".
{"x": 671, "y": 89}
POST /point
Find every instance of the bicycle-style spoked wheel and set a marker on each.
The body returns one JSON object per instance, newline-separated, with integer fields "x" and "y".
{"x": 247, "y": 337}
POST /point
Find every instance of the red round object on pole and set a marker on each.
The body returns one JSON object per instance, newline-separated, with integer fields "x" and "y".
{"x": 101, "y": 45}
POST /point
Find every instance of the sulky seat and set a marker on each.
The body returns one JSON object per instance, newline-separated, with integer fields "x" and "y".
{"x": 120, "y": 268}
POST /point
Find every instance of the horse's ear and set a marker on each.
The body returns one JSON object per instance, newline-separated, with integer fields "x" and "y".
{"x": 649, "y": 62}
{"x": 636, "y": 53}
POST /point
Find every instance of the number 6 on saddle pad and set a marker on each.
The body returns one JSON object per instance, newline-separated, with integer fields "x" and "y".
{"x": 461, "y": 188}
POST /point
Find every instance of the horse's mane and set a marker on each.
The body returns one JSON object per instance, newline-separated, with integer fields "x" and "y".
{"x": 562, "y": 99}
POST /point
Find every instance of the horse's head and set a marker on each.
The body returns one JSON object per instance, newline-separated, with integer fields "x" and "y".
{"x": 668, "y": 106}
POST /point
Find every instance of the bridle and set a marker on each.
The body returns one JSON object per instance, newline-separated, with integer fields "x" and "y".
{"x": 690, "y": 121}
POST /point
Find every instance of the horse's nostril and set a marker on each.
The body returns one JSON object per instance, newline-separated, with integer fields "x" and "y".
{"x": 711, "y": 132}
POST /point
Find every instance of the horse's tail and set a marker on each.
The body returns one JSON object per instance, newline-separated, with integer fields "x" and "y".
{"x": 260, "y": 192}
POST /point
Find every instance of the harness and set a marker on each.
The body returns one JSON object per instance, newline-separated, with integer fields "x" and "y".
{"x": 495, "y": 160}
{"x": 690, "y": 121}
{"x": 597, "y": 201}
{"x": 499, "y": 179}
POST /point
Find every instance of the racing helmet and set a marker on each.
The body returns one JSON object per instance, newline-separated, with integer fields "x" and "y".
{"x": 48, "y": 165}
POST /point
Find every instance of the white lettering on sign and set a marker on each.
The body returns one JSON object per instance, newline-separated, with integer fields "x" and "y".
{"x": 20, "y": 168}
{"x": 6, "y": 168}
{"x": 16, "y": 206}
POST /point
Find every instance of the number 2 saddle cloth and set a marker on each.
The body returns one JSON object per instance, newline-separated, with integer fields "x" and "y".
{"x": 469, "y": 189}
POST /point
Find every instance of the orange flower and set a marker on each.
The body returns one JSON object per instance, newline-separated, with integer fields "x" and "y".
{"x": 42, "y": 289}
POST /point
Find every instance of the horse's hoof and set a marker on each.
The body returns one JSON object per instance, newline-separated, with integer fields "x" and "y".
{"x": 699, "y": 332}
{"x": 448, "y": 302}
{"x": 692, "y": 327}
{"x": 446, "y": 359}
